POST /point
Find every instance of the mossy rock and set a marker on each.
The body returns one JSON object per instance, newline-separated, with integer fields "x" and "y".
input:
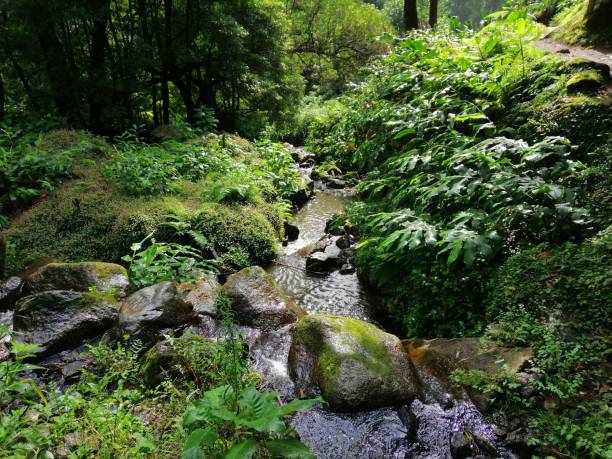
{"x": 59, "y": 320}
{"x": 580, "y": 64}
{"x": 587, "y": 80}
{"x": 85, "y": 220}
{"x": 241, "y": 235}
{"x": 258, "y": 301}
{"x": 80, "y": 277}
{"x": 356, "y": 365}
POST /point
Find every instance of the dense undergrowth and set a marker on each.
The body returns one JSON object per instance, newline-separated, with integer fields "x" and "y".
{"x": 189, "y": 397}
{"x": 222, "y": 195}
{"x": 485, "y": 201}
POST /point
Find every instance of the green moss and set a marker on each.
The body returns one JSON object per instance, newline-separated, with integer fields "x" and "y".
{"x": 241, "y": 230}
{"x": 587, "y": 80}
{"x": 89, "y": 298}
{"x": 367, "y": 339}
{"x": 85, "y": 220}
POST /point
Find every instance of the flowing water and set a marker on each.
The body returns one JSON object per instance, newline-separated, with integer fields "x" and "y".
{"x": 422, "y": 430}
{"x": 336, "y": 293}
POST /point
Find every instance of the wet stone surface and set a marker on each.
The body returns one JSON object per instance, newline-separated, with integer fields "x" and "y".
{"x": 337, "y": 293}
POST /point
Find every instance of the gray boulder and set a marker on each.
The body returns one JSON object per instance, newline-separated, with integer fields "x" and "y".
{"x": 146, "y": 313}
{"x": 10, "y": 292}
{"x": 58, "y": 320}
{"x": 356, "y": 365}
{"x": 303, "y": 191}
{"x": 258, "y": 301}
{"x": 320, "y": 263}
{"x": 203, "y": 296}
{"x": 79, "y": 277}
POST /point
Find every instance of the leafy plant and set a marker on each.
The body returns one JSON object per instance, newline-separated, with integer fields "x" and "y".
{"x": 255, "y": 419}
{"x": 161, "y": 261}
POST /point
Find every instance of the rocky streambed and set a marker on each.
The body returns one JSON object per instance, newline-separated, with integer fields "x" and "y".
{"x": 308, "y": 328}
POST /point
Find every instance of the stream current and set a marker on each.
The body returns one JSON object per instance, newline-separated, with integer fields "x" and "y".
{"x": 423, "y": 430}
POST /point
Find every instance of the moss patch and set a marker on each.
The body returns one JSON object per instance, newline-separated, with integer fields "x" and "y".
{"x": 337, "y": 339}
{"x": 587, "y": 80}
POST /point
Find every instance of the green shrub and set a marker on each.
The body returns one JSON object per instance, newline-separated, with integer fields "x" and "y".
{"x": 160, "y": 262}
{"x": 254, "y": 419}
{"x": 571, "y": 278}
{"x": 85, "y": 220}
{"x": 238, "y": 234}
{"x": 150, "y": 169}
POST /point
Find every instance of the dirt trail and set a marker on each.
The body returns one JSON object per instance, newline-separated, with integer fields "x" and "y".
{"x": 573, "y": 52}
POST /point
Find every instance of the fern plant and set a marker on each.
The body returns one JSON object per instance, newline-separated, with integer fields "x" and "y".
{"x": 225, "y": 424}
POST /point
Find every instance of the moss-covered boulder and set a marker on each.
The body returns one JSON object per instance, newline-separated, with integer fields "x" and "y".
{"x": 79, "y": 277}
{"x": 241, "y": 235}
{"x": 435, "y": 360}
{"x": 258, "y": 301}
{"x": 356, "y": 365}
{"x": 587, "y": 80}
{"x": 145, "y": 314}
{"x": 58, "y": 320}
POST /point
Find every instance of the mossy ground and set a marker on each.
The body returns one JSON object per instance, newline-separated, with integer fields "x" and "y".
{"x": 91, "y": 217}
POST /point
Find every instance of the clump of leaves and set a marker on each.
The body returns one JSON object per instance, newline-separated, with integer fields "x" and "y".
{"x": 229, "y": 424}
{"x": 161, "y": 261}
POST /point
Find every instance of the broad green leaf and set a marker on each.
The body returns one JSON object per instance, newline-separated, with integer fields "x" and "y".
{"x": 292, "y": 449}
{"x": 243, "y": 450}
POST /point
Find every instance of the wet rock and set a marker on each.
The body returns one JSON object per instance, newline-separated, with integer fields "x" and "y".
{"x": 10, "y": 292}
{"x": 320, "y": 263}
{"x": 518, "y": 441}
{"x": 58, "y": 320}
{"x": 67, "y": 365}
{"x": 79, "y": 277}
{"x": 335, "y": 183}
{"x": 203, "y": 296}
{"x": 303, "y": 192}
{"x": 435, "y": 360}
{"x": 457, "y": 432}
{"x": 292, "y": 232}
{"x": 379, "y": 434}
{"x": 146, "y": 313}
{"x": 344, "y": 242}
{"x": 301, "y": 156}
{"x": 258, "y": 301}
{"x": 460, "y": 445}
{"x": 269, "y": 354}
{"x": 355, "y": 364}
{"x": 347, "y": 268}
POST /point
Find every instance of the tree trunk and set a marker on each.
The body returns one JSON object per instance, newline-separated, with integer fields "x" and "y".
{"x": 411, "y": 16}
{"x": 599, "y": 15}
{"x": 433, "y": 13}
{"x": 2, "y": 98}
{"x": 166, "y": 61}
{"x": 100, "y": 10}
{"x": 24, "y": 81}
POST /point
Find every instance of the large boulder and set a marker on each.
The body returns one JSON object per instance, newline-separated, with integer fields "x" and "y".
{"x": 145, "y": 314}
{"x": 303, "y": 191}
{"x": 58, "y": 320}
{"x": 10, "y": 292}
{"x": 435, "y": 360}
{"x": 356, "y": 365}
{"x": 79, "y": 277}
{"x": 203, "y": 295}
{"x": 258, "y": 301}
